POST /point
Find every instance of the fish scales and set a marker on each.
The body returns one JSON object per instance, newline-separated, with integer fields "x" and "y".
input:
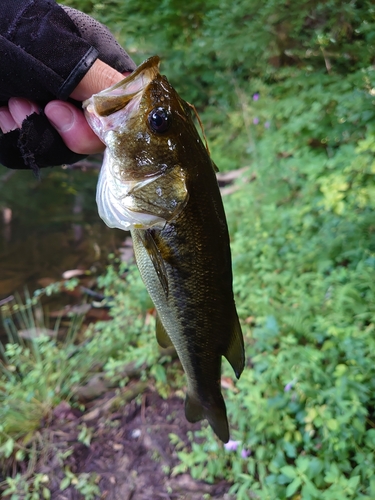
{"x": 158, "y": 180}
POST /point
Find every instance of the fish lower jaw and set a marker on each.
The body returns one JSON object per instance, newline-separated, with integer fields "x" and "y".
{"x": 116, "y": 206}
{"x": 122, "y": 218}
{"x": 116, "y": 214}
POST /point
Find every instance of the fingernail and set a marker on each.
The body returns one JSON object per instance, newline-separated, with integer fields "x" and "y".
{"x": 7, "y": 123}
{"x": 60, "y": 115}
{"x": 20, "y": 108}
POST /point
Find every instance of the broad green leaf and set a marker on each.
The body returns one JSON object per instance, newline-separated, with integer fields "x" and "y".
{"x": 293, "y": 487}
{"x": 289, "y": 471}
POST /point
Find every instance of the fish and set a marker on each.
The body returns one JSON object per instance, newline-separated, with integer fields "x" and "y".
{"x": 159, "y": 182}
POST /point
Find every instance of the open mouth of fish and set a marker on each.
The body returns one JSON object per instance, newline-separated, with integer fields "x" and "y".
{"x": 108, "y": 113}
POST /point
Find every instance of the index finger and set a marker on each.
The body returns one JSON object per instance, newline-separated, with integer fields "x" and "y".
{"x": 99, "y": 77}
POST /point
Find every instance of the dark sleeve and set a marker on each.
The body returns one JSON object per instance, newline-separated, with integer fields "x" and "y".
{"x": 45, "y": 51}
{"x": 42, "y": 54}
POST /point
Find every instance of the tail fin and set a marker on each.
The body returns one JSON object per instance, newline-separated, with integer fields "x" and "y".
{"x": 216, "y": 416}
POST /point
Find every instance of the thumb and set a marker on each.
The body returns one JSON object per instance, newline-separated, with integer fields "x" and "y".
{"x": 71, "y": 124}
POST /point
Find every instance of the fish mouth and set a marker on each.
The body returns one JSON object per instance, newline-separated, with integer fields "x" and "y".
{"x": 119, "y": 95}
{"x": 108, "y": 111}
{"x": 102, "y": 109}
{"x": 123, "y": 202}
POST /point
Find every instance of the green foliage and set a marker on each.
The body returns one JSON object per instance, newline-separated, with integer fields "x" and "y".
{"x": 34, "y": 489}
{"x": 84, "y": 483}
{"x": 303, "y": 243}
{"x": 287, "y": 88}
{"x": 200, "y": 40}
{"x": 127, "y": 337}
{"x": 37, "y": 373}
{"x": 219, "y": 54}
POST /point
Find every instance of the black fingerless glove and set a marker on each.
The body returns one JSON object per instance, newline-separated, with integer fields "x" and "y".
{"x": 45, "y": 50}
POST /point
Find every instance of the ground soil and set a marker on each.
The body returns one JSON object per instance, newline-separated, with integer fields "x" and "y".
{"x": 129, "y": 450}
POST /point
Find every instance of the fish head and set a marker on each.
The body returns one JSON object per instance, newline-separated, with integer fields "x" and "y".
{"x": 149, "y": 133}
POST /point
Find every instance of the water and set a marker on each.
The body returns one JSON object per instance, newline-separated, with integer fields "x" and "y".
{"x": 51, "y": 225}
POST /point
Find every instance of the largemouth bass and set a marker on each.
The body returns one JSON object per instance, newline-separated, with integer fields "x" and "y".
{"x": 159, "y": 182}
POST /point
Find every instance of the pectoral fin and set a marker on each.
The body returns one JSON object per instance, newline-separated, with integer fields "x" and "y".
{"x": 235, "y": 352}
{"x": 155, "y": 257}
{"x": 161, "y": 334}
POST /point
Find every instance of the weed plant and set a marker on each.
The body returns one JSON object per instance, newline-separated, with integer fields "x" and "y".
{"x": 37, "y": 373}
{"x": 40, "y": 371}
{"x": 288, "y": 90}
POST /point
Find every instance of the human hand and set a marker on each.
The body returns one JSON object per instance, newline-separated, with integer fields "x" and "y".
{"x": 84, "y": 59}
{"x": 66, "y": 118}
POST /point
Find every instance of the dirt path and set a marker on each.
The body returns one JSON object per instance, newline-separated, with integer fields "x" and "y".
{"x": 129, "y": 451}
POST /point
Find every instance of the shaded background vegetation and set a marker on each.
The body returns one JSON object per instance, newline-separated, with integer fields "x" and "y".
{"x": 288, "y": 90}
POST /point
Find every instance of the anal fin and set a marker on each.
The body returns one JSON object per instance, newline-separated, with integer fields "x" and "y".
{"x": 194, "y": 411}
{"x": 235, "y": 352}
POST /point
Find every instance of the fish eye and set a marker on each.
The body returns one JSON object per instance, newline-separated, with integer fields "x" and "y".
{"x": 159, "y": 120}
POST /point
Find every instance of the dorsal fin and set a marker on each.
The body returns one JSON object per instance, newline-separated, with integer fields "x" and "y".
{"x": 214, "y": 166}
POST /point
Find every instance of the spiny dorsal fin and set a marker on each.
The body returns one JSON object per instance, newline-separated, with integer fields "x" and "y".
{"x": 214, "y": 166}
{"x": 201, "y": 125}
